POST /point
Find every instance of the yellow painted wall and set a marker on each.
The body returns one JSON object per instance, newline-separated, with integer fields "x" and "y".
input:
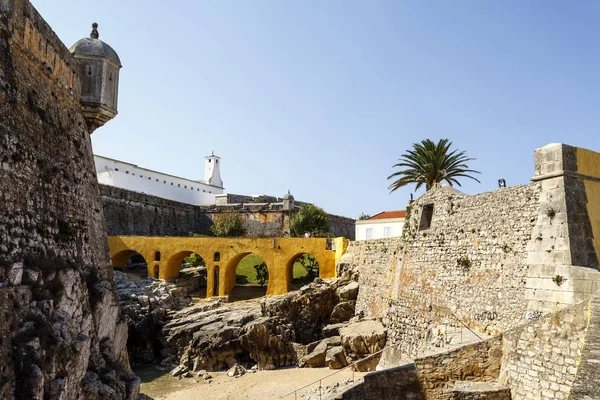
{"x": 279, "y": 255}
{"x": 588, "y": 163}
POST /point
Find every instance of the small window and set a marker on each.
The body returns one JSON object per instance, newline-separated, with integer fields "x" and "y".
{"x": 165, "y": 182}
{"x": 387, "y": 231}
{"x": 198, "y": 189}
{"x": 157, "y": 256}
{"x": 132, "y": 174}
{"x": 171, "y": 183}
{"x": 157, "y": 180}
{"x": 209, "y": 191}
{"x": 185, "y": 187}
{"x": 369, "y": 233}
{"x": 426, "y": 216}
{"x": 110, "y": 76}
{"x": 209, "y": 160}
{"x": 192, "y": 188}
{"x": 127, "y": 172}
{"x": 204, "y": 191}
{"x": 217, "y": 256}
{"x": 89, "y": 70}
{"x": 216, "y": 161}
{"x": 116, "y": 169}
{"x": 178, "y": 185}
{"x": 149, "y": 178}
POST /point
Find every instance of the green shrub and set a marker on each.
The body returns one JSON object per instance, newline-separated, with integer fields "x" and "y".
{"x": 227, "y": 225}
{"x": 312, "y": 219}
{"x": 262, "y": 273}
{"x": 311, "y": 266}
{"x": 194, "y": 259}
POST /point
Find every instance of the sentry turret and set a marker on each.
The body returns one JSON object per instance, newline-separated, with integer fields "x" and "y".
{"x": 100, "y": 67}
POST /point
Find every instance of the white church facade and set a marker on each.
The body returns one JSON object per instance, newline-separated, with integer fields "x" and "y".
{"x": 129, "y": 176}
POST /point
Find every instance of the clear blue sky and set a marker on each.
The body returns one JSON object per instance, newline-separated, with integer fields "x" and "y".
{"x": 322, "y": 97}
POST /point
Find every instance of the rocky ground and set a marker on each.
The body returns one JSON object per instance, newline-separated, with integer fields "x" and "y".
{"x": 145, "y": 303}
{"x": 312, "y": 327}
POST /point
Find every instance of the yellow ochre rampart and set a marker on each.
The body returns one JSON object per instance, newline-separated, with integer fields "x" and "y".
{"x": 164, "y": 256}
{"x": 588, "y": 164}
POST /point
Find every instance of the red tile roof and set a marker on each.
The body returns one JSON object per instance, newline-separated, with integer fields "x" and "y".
{"x": 389, "y": 214}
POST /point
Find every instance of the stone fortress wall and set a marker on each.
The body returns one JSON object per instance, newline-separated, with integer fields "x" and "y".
{"x": 549, "y": 358}
{"x": 137, "y": 214}
{"x": 522, "y": 261}
{"x": 61, "y": 334}
{"x": 493, "y": 260}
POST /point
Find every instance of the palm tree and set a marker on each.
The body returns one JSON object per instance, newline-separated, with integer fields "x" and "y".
{"x": 430, "y": 163}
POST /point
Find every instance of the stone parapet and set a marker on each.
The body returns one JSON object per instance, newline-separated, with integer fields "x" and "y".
{"x": 36, "y": 39}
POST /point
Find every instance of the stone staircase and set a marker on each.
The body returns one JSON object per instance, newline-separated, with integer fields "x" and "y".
{"x": 463, "y": 390}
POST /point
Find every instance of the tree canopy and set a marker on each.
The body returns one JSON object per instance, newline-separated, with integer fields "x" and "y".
{"x": 228, "y": 224}
{"x": 430, "y": 163}
{"x": 311, "y": 219}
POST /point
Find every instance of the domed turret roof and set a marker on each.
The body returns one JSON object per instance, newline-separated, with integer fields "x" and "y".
{"x": 93, "y": 46}
{"x": 288, "y": 196}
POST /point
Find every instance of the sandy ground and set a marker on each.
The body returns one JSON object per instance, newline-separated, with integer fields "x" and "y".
{"x": 265, "y": 385}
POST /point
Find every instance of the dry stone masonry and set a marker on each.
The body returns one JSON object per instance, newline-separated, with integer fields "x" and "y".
{"x": 543, "y": 357}
{"x": 131, "y": 213}
{"x": 493, "y": 262}
{"x": 61, "y": 333}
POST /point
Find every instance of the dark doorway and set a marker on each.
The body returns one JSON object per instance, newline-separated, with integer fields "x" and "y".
{"x": 216, "y": 281}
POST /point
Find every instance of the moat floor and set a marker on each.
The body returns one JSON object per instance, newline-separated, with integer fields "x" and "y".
{"x": 259, "y": 385}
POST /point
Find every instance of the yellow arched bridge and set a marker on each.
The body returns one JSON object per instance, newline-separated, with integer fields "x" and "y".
{"x": 164, "y": 256}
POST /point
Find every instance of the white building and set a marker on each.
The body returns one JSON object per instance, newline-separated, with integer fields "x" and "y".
{"x": 131, "y": 177}
{"x": 383, "y": 225}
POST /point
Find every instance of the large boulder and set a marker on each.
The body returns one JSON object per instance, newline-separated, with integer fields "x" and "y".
{"x": 308, "y": 310}
{"x": 361, "y": 339}
{"x": 349, "y": 292}
{"x": 335, "y": 357}
{"x": 332, "y": 330}
{"x": 343, "y": 311}
{"x": 318, "y": 353}
{"x": 270, "y": 342}
{"x": 207, "y": 337}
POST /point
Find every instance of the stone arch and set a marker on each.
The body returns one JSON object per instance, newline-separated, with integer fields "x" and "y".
{"x": 174, "y": 263}
{"x": 289, "y": 268}
{"x": 229, "y": 275}
{"x": 119, "y": 260}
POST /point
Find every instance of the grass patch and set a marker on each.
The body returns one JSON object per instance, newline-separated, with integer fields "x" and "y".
{"x": 246, "y": 268}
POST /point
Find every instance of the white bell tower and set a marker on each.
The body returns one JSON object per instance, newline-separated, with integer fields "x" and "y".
{"x": 212, "y": 170}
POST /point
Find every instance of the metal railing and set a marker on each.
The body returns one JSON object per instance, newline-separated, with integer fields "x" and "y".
{"x": 295, "y": 392}
{"x": 465, "y": 325}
